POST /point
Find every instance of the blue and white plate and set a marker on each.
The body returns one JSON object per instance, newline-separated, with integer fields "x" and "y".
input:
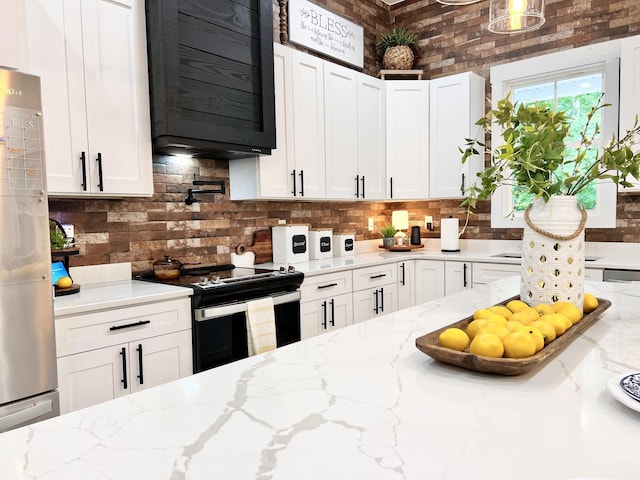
{"x": 614, "y": 386}
{"x": 631, "y": 385}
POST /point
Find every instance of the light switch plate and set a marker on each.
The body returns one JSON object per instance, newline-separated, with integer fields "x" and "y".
{"x": 372, "y": 227}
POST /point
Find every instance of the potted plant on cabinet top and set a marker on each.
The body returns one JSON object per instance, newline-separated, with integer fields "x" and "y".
{"x": 396, "y": 49}
{"x": 388, "y": 233}
{"x": 534, "y": 161}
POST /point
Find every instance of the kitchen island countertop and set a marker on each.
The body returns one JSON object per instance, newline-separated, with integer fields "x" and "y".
{"x": 363, "y": 402}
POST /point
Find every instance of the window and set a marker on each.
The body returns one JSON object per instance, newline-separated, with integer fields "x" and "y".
{"x": 571, "y": 81}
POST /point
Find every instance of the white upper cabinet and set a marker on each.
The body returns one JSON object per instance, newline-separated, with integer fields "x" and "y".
{"x": 456, "y": 102}
{"x": 629, "y": 91}
{"x": 91, "y": 57}
{"x": 407, "y": 139}
{"x": 13, "y": 47}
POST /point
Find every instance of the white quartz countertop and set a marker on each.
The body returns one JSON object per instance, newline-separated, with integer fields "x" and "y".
{"x": 105, "y": 295}
{"x": 600, "y": 254}
{"x": 363, "y": 402}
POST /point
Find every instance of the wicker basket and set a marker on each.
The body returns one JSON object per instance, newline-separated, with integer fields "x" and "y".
{"x": 399, "y": 57}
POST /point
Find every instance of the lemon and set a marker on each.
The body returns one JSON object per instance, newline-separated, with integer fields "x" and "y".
{"x": 547, "y": 330}
{"x": 64, "y": 282}
{"x": 544, "y": 308}
{"x": 516, "y": 305}
{"x": 487, "y": 345}
{"x": 501, "y": 310}
{"x": 560, "y": 304}
{"x": 557, "y": 321}
{"x": 536, "y": 334}
{"x": 500, "y": 330}
{"x": 454, "y": 338}
{"x": 519, "y": 345}
{"x": 515, "y": 325}
{"x": 572, "y": 313}
{"x": 526, "y": 316}
{"x": 590, "y": 303}
{"x": 474, "y": 326}
{"x": 496, "y": 319}
{"x": 481, "y": 313}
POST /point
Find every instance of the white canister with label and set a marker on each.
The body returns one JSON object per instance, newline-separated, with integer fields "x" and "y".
{"x": 343, "y": 244}
{"x": 290, "y": 243}
{"x": 320, "y": 243}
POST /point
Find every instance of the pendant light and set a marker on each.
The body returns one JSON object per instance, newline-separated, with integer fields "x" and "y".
{"x": 515, "y": 16}
{"x": 457, "y": 2}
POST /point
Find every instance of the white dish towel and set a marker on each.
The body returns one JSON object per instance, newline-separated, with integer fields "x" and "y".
{"x": 261, "y": 326}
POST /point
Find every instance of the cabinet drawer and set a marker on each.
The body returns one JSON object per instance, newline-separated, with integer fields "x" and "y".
{"x": 490, "y": 272}
{"x": 80, "y": 333}
{"x": 374, "y": 276}
{"x": 322, "y": 286}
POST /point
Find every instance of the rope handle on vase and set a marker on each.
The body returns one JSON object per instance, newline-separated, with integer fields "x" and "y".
{"x": 571, "y": 236}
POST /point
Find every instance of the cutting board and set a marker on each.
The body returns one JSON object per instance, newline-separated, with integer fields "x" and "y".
{"x": 246, "y": 259}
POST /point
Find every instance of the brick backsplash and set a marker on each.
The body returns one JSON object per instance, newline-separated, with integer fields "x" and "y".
{"x": 452, "y": 40}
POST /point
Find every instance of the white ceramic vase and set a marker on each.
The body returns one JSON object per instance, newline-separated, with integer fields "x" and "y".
{"x": 553, "y": 252}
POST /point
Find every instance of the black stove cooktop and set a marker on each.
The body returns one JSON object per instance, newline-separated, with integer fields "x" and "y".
{"x": 217, "y": 284}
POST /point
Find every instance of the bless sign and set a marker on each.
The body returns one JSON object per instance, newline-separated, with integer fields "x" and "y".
{"x": 325, "y": 32}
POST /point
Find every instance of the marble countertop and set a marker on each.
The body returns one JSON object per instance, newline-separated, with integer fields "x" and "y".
{"x": 100, "y": 296}
{"x": 368, "y": 253}
{"x": 363, "y": 402}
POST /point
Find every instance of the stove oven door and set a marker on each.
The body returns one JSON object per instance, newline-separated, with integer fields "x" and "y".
{"x": 220, "y": 332}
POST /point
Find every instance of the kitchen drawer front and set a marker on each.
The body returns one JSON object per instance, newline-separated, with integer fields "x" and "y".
{"x": 490, "y": 272}
{"x": 329, "y": 285}
{"x": 80, "y": 333}
{"x": 375, "y": 276}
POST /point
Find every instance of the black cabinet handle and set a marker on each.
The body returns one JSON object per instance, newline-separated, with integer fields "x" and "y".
{"x": 375, "y": 294}
{"x": 327, "y": 285}
{"x": 324, "y": 314}
{"x": 83, "y": 159}
{"x": 402, "y": 268}
{"x": 128, "y": 325}
{"x": 302, "y": 183}
{"x": 357, "y": 186}
{"x": 123, "y": 354}
{"x": 464, "y": 274}
{"x": 362, "y": 186}
{"x": 141, "y": 376}
{"x": 99, "y": 160}
{"x": 333, "y": 313}
{"x": 391, "y": 187}
{"x": 372, "y": 277}
{"x": 381, "y": 299}
{"x": 293, "y": 176}
{"x": 462, "y": 184}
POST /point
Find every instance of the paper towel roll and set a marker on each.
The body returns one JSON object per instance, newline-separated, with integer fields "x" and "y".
{"x": 449, "y": 235}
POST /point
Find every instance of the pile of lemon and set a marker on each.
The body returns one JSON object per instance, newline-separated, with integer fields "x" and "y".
{"x": 515, "y": 330}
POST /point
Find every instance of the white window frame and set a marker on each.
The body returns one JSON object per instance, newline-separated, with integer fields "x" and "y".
{"x": 606, "y": 54}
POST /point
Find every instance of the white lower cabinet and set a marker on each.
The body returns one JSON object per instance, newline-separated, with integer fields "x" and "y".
{"x": 406, "y": 284}
{"x": 325, "y": 303}
{"x": 375, "y": 291}
{"x": 594, "y": 274}
{"x": 457, "y": 277}
{"x": 490, "y": 272}
{"x": 429, "y": 280}
{"x": 107, "y": 354}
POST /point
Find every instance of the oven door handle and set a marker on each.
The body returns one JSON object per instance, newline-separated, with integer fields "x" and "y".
{"x": 203, "y": 314}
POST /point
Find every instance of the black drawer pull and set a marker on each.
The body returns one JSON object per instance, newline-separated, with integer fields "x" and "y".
{"x": 373, "y": 277}
{"x": 141, "y": 376}
{"x": 127, "y": 325}
{"x": 328, "y": 285}
{"x": 123, "y": 354}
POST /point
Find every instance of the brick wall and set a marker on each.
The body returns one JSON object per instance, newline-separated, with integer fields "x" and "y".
{"x": 452, "y": 39}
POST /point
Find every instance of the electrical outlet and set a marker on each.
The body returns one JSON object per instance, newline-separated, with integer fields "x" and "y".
{"x": 69, "y": 230}
{"x": 282, "y": 221}
{"x": 428, "y": 222}
{"x": 372, "y": 227}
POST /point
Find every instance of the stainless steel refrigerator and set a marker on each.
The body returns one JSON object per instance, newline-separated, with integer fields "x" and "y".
{"x": 28, "y": 378}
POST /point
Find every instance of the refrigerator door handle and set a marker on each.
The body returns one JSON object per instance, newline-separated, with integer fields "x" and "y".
{"x": 23, "y": 416}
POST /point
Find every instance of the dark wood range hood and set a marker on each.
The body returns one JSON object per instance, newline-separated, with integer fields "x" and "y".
{"x": 211, "y": 77}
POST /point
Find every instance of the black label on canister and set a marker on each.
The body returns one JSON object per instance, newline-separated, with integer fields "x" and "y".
{"x": 348, "y": 244}
{"x": 325, "y": 244}
{"x": 299, "y": 243}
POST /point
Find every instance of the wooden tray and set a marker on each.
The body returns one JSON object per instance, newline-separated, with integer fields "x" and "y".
{"x": 61, "y": 292}
{"x": 504, "y": 366}
{"x": 402, "y": 248}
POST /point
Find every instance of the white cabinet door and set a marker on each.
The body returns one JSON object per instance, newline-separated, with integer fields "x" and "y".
{"x": 326, "y": 314}
{"x": 629, "y": 91}
{"x": 374, "y": 302}
{"x": 160, "y": 360}
{"x": 429, "y": 278}
{"x": 371, "y": 138}
{"x": 456, "y": 102}
{"x": 457, "y": 276}
{"x": 406, "y": 284}
{"x": 96, "y": 110}
{"x": 308, "y": 118}
{"x": 13, "y": 47}
{"x": 407, "y": 139}
{"x": 92, "y": 377}
{"x": 490, "y": 272}
{"x": 341, "y": 131}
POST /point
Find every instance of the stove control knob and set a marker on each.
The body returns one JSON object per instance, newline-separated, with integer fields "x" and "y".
{"x": 283, "y": 270}
{"x": 215, "y": 279}
{"x": 292, "y": 269}
{"x": 203, "y": 281}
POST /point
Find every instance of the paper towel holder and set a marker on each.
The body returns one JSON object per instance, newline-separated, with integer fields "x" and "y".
{"x": 458, "y": 233}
